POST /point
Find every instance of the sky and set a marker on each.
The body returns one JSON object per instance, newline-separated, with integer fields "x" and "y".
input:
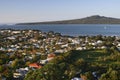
{"x": 17, "y": 11}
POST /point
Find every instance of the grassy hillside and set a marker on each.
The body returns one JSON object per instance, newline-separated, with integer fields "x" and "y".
{"x": 103, "y": 62}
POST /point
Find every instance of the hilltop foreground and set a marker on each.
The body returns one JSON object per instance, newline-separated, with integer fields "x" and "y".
{"x": 96, "y": 19}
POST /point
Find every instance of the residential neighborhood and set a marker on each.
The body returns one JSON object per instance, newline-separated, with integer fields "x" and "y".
{"x": 25, "y": 50}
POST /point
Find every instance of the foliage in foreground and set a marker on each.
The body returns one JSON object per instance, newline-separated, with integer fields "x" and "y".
{"x": 105, "y": 63}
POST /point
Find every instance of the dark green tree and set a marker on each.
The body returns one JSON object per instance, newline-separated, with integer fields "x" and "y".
{"x": 48, "y": 72}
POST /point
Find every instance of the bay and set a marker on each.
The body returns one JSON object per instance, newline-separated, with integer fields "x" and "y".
{"x": 72, "y": 29}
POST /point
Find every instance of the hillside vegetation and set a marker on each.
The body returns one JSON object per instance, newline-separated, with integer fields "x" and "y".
{"x": 105, "y": 63}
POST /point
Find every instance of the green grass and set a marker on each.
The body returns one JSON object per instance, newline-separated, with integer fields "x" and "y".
{"x": 91, "y": 55}
{"x": 94, "y": 57}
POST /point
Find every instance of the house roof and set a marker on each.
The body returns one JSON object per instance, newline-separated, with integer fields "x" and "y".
{"x": 35, "y": 65}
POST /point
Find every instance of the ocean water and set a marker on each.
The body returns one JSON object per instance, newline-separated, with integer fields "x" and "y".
{"x": 72, "y": 29}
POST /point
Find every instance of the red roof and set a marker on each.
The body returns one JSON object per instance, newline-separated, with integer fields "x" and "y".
{"x": 35, "y": 65}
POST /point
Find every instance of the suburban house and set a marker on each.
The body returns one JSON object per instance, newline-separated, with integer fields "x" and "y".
{"x": 35, "y": 66}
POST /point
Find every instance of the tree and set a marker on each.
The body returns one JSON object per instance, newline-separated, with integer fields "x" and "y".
{"x": 9, "y": 75}
{"x": 1, "y": 68}
{"x": 14, "y": 64}
{"x": 71, "y": 71}
{"x": 110, "y": 75}
{"x": 89, "y": 76}
{"x": 80, "y": 63}
{"x": 1, "y": 61}
{"x": 48, "y": 72}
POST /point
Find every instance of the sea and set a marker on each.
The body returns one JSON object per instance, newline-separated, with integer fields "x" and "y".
{"x": 72, "y": 29}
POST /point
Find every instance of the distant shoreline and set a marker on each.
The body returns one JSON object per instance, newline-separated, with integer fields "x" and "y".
{"x": 96, "y": 19}
{"x": 72, "y": 29}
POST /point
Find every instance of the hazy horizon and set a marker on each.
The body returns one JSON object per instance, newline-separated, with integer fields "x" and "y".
{"x": 19, "y": 11}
